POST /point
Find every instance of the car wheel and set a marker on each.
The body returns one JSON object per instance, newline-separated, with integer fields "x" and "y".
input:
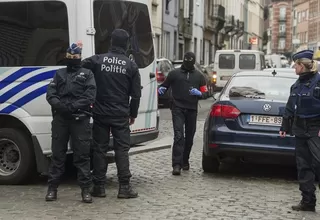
{"x": 210, "y": 164}
{"x": 17, "y": 158}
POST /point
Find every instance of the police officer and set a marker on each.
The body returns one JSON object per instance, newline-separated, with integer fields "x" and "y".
{"x": 188, "y": 86}
{"x": 302, "y": 119}
{"x": 118, "y": 79}
{"x": 70, "y": 94}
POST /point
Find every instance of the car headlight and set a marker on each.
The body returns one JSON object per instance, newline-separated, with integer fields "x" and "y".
{"x": 214, "y": 76}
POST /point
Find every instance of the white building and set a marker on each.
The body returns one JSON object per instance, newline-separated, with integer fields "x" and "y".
{"x": 197, "y": 33}
{"x": 256, "y": 23}
{"x": 155, "y": 8}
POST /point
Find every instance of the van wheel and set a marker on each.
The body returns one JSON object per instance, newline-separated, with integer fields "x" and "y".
{"x": 210, "y": 164}
{"x": 17, "y": 159}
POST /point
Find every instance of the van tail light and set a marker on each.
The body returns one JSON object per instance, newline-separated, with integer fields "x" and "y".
{"x": 224, "y": 111}
{"x": 214, "y": 77}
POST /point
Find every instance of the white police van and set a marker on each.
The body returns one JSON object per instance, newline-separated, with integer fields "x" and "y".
{"x": 34, "y": 37}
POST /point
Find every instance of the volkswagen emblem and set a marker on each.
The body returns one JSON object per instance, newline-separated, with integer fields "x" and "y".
{"x": 266, "y": 107}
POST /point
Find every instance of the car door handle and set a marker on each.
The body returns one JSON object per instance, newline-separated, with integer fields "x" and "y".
{"x": 152, "y": 75}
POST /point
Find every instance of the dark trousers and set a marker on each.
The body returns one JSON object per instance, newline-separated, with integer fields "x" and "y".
{"x": 119, "y": 128}
{"x": 308, "y": 165}
{"x": 80, "y": 132}
{"x": 184, "y": 127}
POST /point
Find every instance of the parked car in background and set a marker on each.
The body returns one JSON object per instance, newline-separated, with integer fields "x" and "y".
{"x": 177, "y": 64}
{"x": 164, "y": 66}
{"x": 245, "y": 118}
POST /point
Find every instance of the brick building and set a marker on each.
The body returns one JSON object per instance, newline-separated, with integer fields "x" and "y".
{"x": 281, "y": 26}
{"x": 314, "y": 25}
{"x": 300, "y": 24}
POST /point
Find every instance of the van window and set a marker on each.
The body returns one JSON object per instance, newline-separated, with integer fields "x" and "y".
{"x": 247, "y": 61}
{"x": 262, "y": 62}
{"x": 226, "y": 61}
{"x": 33, "y": 33}
{"x": 130, "y": 16}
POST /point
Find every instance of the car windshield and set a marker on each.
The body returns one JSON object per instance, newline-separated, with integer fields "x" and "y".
{"x": 259, "y": 87}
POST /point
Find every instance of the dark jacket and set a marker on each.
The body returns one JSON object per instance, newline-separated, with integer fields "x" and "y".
{"x": 117, "y": 79}
{"x": 75, "y": 88}
{"x": 297, "y": 125}
{"x": 181, "y": 81}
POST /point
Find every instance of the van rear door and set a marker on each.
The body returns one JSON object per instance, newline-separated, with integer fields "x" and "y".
{"x": 132, "y": 16}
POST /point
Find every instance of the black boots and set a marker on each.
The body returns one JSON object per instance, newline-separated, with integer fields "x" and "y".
{"x": 176, "y": 170}
{"x": 98, "y": 191}
{"x": 126, "y": 192}
{"x": 304, "y": 207}
{"x": 86, "y": 196}
{"x": 186, "y": 166}
{"x": 52, "y": 195}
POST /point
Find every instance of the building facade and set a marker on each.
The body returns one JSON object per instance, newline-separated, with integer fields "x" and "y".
{"x": 170, "y": 29}
{"x": 281, "y": 26}
{"x": 197, "y": 34}
{"x": 255, "y": 23}
{"x": 314, "y": 25}
{"x": 300, "y": 25}
{"x": 214, "y": 19}
{"x": 155, "y": 8}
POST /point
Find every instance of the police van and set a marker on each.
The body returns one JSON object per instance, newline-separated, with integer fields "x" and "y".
{"x": 33, "y": 41}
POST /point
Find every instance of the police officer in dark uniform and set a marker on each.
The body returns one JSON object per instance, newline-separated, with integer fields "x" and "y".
{"x": 71, "y": 94}
{"x": 188, "y": 86}
{"x": 302, "y": 119}
{"x": 118, "y": 79}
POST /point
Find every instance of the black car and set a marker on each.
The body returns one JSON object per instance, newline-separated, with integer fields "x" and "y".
{"x": 245, "y": 119}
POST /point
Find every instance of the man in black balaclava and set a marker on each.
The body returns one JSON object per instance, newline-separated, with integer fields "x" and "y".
{"x": 118, "y": 79}
{"x": 188, "y": 86}
{"x": 71, "y": 94}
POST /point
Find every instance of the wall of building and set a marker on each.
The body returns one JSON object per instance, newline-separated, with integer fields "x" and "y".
{"x": 281, "y": 29}
{"x": 197, "y": 34}
{"x": 255, "y": 22}
{"x": 155, "y": 8}
{"x": 170, "y": 29}
{"x": 314, "y": 25}
{"x": 301, "y": 11}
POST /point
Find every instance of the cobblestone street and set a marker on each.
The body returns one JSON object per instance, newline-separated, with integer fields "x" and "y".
{"x": 239, "y": 192}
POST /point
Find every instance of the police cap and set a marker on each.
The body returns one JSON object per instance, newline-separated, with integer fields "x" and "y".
{"x": 306, "y": 54}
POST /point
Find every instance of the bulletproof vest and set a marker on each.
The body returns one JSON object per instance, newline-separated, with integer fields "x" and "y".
{"x": 306, "y": 97}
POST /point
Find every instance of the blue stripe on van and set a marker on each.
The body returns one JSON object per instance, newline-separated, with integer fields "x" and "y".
{"x": 16, "y": 75}
{"x": 25, "y": 84}
{"x": 25, "y": 99}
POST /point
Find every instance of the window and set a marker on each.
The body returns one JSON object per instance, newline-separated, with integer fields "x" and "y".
{"x": 283, "y": 13}
{"x": 226, "y": 61}
{"x": 167, "y": 5}
{"x": 247, "y": 61}
{"x": 264, "y": 87}
{"x": 299, "y": 17}
{"x": 166, "y": 44}
{"x": 282, "y": 28}
{"x": 195, "y": 46}
{"x": 282, "y": 44}
{"x": 131, "y": 16}
{"x": 33, "y": 33}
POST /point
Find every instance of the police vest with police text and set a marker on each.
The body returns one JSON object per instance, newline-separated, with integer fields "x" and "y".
{"x": 306, "y": 97}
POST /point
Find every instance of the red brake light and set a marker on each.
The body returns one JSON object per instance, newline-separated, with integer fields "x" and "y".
{"x": 224, "y": 111}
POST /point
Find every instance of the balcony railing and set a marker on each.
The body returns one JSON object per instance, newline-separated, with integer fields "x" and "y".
{"x": 282, "y": 34}
{"x": 282, "y": 19}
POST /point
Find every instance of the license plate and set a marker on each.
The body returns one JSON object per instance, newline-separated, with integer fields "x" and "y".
{"x": 265, "y": 120}
{"x": 225, "y": 77}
